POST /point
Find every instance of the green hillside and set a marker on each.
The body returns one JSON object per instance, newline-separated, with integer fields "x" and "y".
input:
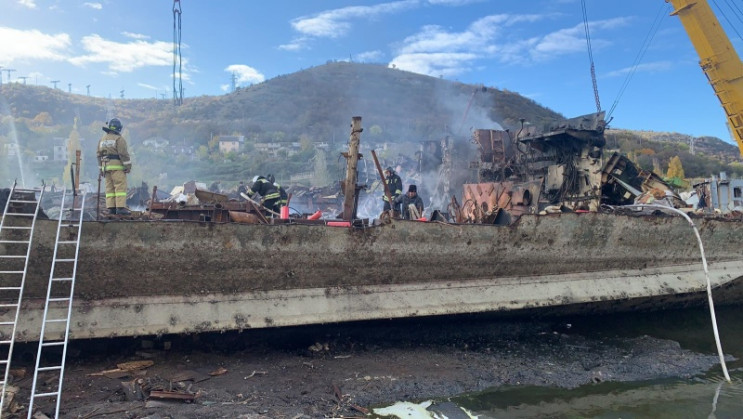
{"x": 306, "y": 113}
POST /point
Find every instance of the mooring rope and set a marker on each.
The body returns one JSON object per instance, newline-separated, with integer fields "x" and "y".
{"x": 706, "y": 274}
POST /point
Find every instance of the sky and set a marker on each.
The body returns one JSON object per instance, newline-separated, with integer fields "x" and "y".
{"x": 115, "y": 48}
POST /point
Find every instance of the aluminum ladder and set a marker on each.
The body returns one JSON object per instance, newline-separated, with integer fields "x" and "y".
{"x": 58, "y": 304}
{"x": 16, "y": 235}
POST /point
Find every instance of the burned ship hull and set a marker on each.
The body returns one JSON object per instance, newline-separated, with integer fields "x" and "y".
{"x": 149, "y": 278}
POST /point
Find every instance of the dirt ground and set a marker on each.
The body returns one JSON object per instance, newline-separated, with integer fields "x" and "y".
{"x": 340, "y": 370}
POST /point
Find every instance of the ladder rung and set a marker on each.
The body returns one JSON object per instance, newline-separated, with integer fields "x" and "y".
{"x": 7, "y": 323}
{"x": 56, "y": 367}
{"x": 9, "y": 288}
{"x": 56, "y": 320}
{"x": 15, "y": 241}
{"x": 65, "y": 260}
{"x": 21, "y": 201}
{"x": 17, "y": 228}
{"x": 46, "y": 394}
{"x": 3, "y": 361}
{"x": 20, "y": 214}
{"x": 58, "y": 299}
{"x": 5, "y": 342}
{"x": 8, "y": 305}
{"x": 12, "y": 256}
{"x": 60, "y": 343}
{"x": 70, "y": 225}
{"x": 67, "y": 242}
{"x": 11, "y": 272}
{"x": 62, "y": 279}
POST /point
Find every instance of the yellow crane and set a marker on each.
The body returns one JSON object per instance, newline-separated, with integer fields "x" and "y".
{"x": 717, "y": 57}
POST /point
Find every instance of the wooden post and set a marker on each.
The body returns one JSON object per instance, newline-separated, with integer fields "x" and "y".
{"x": 352, "y": 162}
{"x": 77, "y": 171}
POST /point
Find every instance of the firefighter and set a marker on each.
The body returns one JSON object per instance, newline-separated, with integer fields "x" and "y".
{"x": 268, "y": 192}
{"x": 283, "y": 196}
{"x": 114, "y": 163}
{"x": 394, "y": 184}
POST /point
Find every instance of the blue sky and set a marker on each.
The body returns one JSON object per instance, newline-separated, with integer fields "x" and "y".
{"x": 536, "y": 48}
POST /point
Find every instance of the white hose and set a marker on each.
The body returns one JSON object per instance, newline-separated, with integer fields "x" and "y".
{"x": 706, "y": 274}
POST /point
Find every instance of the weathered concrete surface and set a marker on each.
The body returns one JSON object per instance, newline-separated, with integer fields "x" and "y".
{"x": 137, "y": 278}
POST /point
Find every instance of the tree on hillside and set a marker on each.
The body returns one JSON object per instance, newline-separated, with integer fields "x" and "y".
{"x": 675, "y": 169}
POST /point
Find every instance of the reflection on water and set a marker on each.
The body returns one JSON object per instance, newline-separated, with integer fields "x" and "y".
{"x": 701, "y": 397}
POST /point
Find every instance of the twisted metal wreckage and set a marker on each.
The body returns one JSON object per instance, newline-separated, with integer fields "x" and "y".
{"x": 194, "y": 269}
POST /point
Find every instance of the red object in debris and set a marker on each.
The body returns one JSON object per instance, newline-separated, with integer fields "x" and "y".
{"x": 315, "y": 216}
{"x": 423, "y": 219}
{"x": 339, "y": 223}
{"x": 284, "y": 213}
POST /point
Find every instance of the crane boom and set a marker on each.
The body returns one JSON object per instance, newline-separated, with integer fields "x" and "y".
{"x": 717, "y": 57}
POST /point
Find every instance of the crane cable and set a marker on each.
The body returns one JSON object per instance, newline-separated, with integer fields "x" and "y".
{"x": 726, "y": 17}
{"x": 590, "y": 56}
{"x": 661, "y": 14}
{"x": 177, "y": 58}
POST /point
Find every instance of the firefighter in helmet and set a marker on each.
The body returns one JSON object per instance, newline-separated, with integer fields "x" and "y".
{"x": 394, "y": 184}
{"x": 268, "y": 192}
{"x": 114, "y": 163}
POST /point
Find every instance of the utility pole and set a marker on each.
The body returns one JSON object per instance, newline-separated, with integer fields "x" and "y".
{"x": 162, "y": 96}
{"x": 8, "y": 70}
{"x": 24, "y": 79}
{"x": 121, "y": 92}
{"x": 54, "y": 82}
{"x": 87, "y": 87}
{"x": 234, "y": 82}
{"x": 69, "y": 87}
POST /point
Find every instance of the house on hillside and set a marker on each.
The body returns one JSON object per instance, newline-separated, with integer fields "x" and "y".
{"x": 60, "y": 149}
{"x": 11, "y": 149}
{"x": 229, "y": 143}
{"x": 156, "y": 143}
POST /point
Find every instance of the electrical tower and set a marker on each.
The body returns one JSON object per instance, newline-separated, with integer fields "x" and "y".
{"x": 9, "y": 70}
{"x": 24, "y": 78}
{"x": 54, "y": 82}
{"x": 177, "y": 58}
{"x": 234, "y": 82}
{"x": 69, "y": 87}
{"x": 87, "y": 87}
{"x": 121, "y": 93}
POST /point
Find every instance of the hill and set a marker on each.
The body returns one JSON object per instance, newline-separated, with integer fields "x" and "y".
{"x": 298, "y": 111}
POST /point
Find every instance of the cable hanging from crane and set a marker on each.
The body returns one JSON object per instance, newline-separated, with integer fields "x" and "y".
{"x": 737, "y": 14}
{"x": 590, "y": 56}
{"x": 662, "y": 13}
{"x": 177, "y": 59}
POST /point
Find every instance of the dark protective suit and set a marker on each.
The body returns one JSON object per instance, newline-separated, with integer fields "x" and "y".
{"x": 267, "y": 191}
{"x": 394, "y": 183}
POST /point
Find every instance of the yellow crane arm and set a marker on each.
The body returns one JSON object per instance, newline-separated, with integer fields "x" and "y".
{"x": 717, "y": 57}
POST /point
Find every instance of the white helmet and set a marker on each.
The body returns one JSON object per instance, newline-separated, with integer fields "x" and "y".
{"x": 255, "y": 179}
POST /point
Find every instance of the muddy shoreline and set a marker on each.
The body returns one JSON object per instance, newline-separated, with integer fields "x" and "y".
{"x": 344, "y": 370}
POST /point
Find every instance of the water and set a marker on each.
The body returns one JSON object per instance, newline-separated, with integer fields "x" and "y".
{"x": 699, "y": 397}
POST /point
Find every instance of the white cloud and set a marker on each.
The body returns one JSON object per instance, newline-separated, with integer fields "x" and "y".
{"x": 654, "y": 67}
{"x": 96, "y": 6}
{"x": 453, "y": 2}
{"x": 31, "y": 4}
{"x": 369, "y": 56}
{"x": 151, "y": 87}
{"x": 436, "y": 51}
{"x": 19, "y": 45}
{"x": 245, "y": 74}
{"x": 135, "y": 35}
{"x": 125, "y": 57}
{"x": 337, "y": 22}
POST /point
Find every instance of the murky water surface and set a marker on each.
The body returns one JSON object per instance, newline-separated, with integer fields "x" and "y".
{"x": 707, "y": 396}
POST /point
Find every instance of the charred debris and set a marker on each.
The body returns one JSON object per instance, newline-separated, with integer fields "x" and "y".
{"x": 563, "y": 168}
